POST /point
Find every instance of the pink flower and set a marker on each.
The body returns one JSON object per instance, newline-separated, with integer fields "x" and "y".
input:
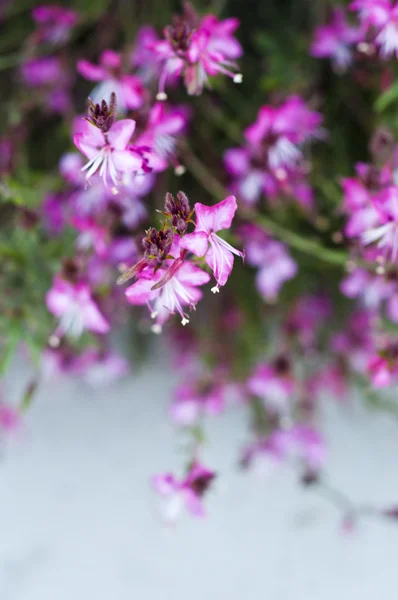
{"x": 371, "y": 288}
{"x": 142, "y": 56}
{"x": 128, "y": 88}
{"x": 55, "y": 22}
{"x": 204, "y": 241}
{"x": 272, "y": 258}
{"x": 300, "y": 441}
{"x": 382, "y": 17}
{"x": 164, "y": 127}
{"x": 186, "y": 493}
{"x": 273, "y": 383}
{"x": 175, "y": 288}
{"x": 45, "y": 71}
{"x": 193, "y": 400}
{"x": 386, "y": 233}
{"x": 335, "y": 40}
{"x": 9, "y": 418}
{"x": 74, "y": 305}
{"x": 197, "y": 49}
{"x": 108, "y": 153}
{"x": 280, "y": 131}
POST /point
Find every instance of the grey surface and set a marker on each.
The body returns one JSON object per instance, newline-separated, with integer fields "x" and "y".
{"x": 79, "y": 521}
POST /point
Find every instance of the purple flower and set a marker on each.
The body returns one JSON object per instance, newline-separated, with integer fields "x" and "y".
{"x": 386, "y": 233}
{"x": 335, "y": 40}
{"x": 143, "y": 57}
{"x": 45, "y": 71}
{"x": 128, "y": 88}
{"x": 164, "y": 127}
{"x": 272, "y": 258}
{"x": 9, "y": 418}
{"x": 193, "y": 400}
{"x": 197, "y": 50}
{"x": 186, "y": 493}
{"x": 108, "y": 153}
{"x": 381, "y": 17}
{"x": 166, "y": 292}
{"x": 74, "y": 305}
{"x": 273, "y": 383}
{"x": 204, "y": 241}
{"x": 54, "y": 22}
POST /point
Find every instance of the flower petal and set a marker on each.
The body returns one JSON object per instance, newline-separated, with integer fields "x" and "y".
{"x": 217, "y": 217}
{"x": 90, "y": 71}
{"x": 120, "y": 133}
{"x": 126, "y": 161}
{"x": 196, "y": 242}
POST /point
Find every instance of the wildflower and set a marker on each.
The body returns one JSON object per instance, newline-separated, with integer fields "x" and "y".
{"x": 106, "y": 144}
{"x": 178, "y": 211}
{"x": 204, "y": 241}
{"x": 74, "y": 305}
{"x": 186, "y": 493}
{"x": 9, "y": 418}
{"x": 335, "y": 40}
{"x": 386, "y": 233}
{"x": 45, "y": 71}
{"x": 161, "y": 135}
{"x": 271, "y": 257}
{"x": 194, "y": 399}
{"x": 54, "y": 23}
{"x": 197, "y": 49}
{"x": 273, "y": 383}
{"x": 380, "y": 16}
{"x": 164, "y": 299}
{"x": 128, "y": 88}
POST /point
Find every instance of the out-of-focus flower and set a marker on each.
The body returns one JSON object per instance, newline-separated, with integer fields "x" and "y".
{"x": 336, "y": 40}
{"x": 165, "y": 125}
{"x": 44, "y": 71}
{"x": 74, "y": 305}
{"x": 54, "y": 22}
{"x": 273, "y": 382}
{"x": 186, "y": 493}
{"x": 197, "y": 49}
{"x": 142, "y": 56}
{"x": 383, "y": 366}
{"x": 272, "y": 161}
{"x": 204, "y": 241}
{"x": 298, "y": 442}
{"x": 192, "y": 400}
{"x": 9, "y": 418}
{"x": 386, "y": 233}
{"x": 275, "y": 265}
{"x": 128, "y": 88}
{"x": 381, "y": 17}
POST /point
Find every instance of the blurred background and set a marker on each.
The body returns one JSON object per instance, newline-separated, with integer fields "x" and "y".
{"x": 78, "y": 518}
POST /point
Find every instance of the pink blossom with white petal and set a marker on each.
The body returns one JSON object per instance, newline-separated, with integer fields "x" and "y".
{"x": 186, "y": 493}
{"x": 128, "y": 88}
{"x": 204, "y": 241}
{"x": 75, "y": 307}
{"x": 109, "y": 154}
{"x": 336, "y": 40}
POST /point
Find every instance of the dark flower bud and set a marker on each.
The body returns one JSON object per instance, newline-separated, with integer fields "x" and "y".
{"x": 101, "y": 115}
{"x": 71, "y": 269}
{"x": 282, "y": 365}
{"x": 201, "y": 484}
{"x": 178, "y": 210}
{"x": 157, "y": 244}
{"x": 391, "y": 513}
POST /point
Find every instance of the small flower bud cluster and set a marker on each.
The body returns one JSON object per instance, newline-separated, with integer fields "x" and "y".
{"x": 102, "y": 115}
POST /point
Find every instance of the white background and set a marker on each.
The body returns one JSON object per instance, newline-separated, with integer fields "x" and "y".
{"x": 78, "y": 520}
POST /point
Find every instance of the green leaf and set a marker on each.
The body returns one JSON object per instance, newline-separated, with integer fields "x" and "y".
{"x": 388, "y": 98}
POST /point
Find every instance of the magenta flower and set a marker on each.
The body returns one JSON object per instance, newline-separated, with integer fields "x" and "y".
{"x": 386, "y": 233}
{"x": 45, "y": 71}
{"x": 186, "y": 493}
{"x": 74, "y": 305}
{"x": 204, "y": 241}
{"x": 380, "y": 16}
{"x": 179, "y": 290}
{"x": 54, "y": 22}
{"x": 163, "y": 129}
{"x": 9, "y": 418}
{"x": 358, "y": 206}
{"x": 336, "y": 40}
{"x": 278, "y": 133}
{"x": 273, "y": 383}
{"x": 196, "y": 50}
{"x": 194, "y": 400}
{"x": 142, "y": 57}
{"x": 109, "y": 153}
{"x": 273, "y": 260}
{"x": 128, "y": 88}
